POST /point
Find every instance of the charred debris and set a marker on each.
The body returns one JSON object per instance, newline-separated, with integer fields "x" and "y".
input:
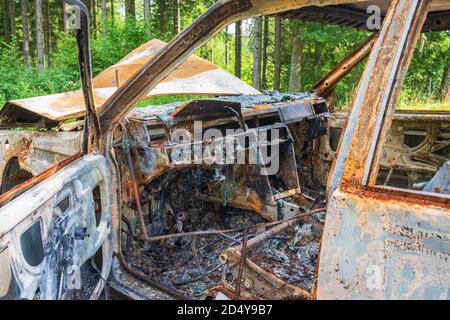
{"x": 200, "y": 229}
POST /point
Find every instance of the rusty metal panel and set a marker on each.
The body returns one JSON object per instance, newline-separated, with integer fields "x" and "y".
{"x": 378, "y": 92}
{"x": 326, "y": 85}
{"x": 296, "y": 112}
{"x": 195, "y": 76}
{"x": 378, "y": 249}
{"x": 36, "y": 151}
{"x": 208, "y": 109}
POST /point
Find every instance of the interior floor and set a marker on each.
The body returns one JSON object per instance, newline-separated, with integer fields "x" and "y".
{"x": 191, "y": 264}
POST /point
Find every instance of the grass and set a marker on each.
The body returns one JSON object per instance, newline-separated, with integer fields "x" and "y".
{"x": 425, "y": 106}
{"x": 157, "y": 101}
{"x": 416, "y": 105}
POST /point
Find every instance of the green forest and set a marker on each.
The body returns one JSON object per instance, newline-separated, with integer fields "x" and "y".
{"x": 38, "y": 49}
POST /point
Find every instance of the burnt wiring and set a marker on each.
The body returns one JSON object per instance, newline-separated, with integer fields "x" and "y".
{"x": 200, "y": 277}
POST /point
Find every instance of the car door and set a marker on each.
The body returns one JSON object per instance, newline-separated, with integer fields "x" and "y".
{"x": 383, "y": 242}
{"x": 53, "y": 236}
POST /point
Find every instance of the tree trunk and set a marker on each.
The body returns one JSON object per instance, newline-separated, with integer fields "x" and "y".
{"x": 238, "y": 50}
{"x": 227, "y": 49}
{"x": 112, "y": 14}
{"x": 445, "y": 83}
{"x": 47, "y": 32}
{"x": 265, "y": 47}
{"x": 26, "y": 33}
{"x": 104, "y": 17}
{"x": 65, "y": 17}
{"x": 94, "y": 17}
{"x": 12, "y": 18}
{"x": 88, "y": 4}
{"x": 176, "y": 17}
{"x": 295, "y": 80}
{"x": 130, "y": 8}
{"x": 6, "y": 23}
{"x": 39, "y": 36}
{"x": 147, "y": 14}
{"x": 162, "y": 16}
{"x": 257, "y": 52}
{"x": 277, "y": 73}
{"x": 317, "y": 59}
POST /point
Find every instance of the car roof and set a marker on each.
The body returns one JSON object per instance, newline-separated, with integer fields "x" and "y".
{"x": 355, "y": 14}
{"x": 195, "y": 76}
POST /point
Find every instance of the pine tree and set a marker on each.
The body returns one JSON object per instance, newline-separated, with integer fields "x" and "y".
{"x": 130, "y": 8}
{"x": 25, "y": 33}
{"x": 264, "y": 53}
{"x": 238, "y": 50}
{"x": 104, "y": 17}
{"x": 12, "y": 18}
{"x": 39, "y": 36}
{"x": 176, "y": 17}
{"x": 256, "y": 75}
{"x": 296, "y": 61}
{"x": 147, "y": 15}
{"x": 6, "y": 23}
{"x": 277, "y": 71}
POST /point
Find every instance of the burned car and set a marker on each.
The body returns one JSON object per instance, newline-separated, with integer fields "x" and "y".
{"x": 242, "y": 195}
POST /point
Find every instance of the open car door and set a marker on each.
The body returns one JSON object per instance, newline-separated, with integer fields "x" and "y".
{"x": 55, "y": 229}
{"x": 50, "y": 236}
{"x": 383, "y": 242}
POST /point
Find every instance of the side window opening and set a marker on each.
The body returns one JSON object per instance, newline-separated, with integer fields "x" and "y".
{"x": 13, "y": 175}
{"x": 97, "y": 196}
{"x": 31, "y": 244}
{"x": 416, "y": 155}
{"x": 64, "y": 204}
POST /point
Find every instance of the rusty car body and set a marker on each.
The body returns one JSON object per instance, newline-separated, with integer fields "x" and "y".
{"x": 94, "y": 196}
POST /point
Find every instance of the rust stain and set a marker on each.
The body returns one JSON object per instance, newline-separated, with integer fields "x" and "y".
{"x": 255, "y": 201}
{"x": 398, "y": 196}
{"x": 261, "y": 107}
{"x": 132, "y": 63}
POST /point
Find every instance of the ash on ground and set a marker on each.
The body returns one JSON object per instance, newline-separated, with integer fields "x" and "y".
{"x": 292, "y": 257}
{"x": 176, "y": 262}
{"x": 191, "y": 264}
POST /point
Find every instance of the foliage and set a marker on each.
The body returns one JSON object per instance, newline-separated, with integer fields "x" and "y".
{"x": 323, "y": 47}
